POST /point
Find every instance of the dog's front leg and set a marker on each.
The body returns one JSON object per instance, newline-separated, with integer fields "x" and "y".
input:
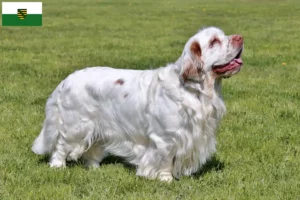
{"x": 157, "y": 162}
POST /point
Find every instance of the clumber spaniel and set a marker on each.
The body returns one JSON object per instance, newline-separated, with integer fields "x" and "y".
{"x": 163, "y": 121}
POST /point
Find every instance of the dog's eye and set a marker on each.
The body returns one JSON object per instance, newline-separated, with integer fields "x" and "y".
{"x": 214, "y": 41}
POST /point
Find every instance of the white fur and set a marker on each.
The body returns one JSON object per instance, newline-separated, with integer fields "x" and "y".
{"x": 158, "y": 121}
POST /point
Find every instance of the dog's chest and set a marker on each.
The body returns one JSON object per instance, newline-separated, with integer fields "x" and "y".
{"x": 203, "y": 112}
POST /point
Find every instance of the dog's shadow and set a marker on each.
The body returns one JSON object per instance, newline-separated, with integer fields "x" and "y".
{"x": 213, "y": 164}
{"x": 70, "y": 164}
{"x": 107, "y": 161}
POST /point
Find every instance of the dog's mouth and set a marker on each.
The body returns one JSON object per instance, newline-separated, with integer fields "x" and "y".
{"x": 233, "y": 65}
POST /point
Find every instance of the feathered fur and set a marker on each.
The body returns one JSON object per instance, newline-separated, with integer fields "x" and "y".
{"x": 162, "y": 120}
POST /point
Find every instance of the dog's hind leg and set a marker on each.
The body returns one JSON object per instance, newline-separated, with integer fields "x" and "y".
{"x": 59, "y": 155}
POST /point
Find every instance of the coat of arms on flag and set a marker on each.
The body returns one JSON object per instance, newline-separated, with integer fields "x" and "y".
{"x": 21, "y": 13}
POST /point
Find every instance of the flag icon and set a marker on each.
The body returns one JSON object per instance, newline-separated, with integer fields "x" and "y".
{"x": 21, "y": 13}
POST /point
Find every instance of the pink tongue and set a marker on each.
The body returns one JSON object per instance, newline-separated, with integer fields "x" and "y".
{"x": 238, "y": 60}
{"x": 233, "y": 64}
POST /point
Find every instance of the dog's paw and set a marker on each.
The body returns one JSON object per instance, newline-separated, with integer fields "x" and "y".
{"x": 57, "y": 164}
{"x": 92, "y": 164}
{"x": 166, "y": 177}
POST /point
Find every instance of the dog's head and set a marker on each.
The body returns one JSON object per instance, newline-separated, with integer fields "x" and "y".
{"x": 210, "y": 51}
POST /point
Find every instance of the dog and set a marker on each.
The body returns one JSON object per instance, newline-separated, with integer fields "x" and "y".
{"x": 163, "y": 121}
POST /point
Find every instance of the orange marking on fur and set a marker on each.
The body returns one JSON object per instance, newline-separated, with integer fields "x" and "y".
{"x": 119, "y": 81}
{"x": 190, "y": 72}
{"x": 196, "y": 49}
{"x": 213, "y": 41}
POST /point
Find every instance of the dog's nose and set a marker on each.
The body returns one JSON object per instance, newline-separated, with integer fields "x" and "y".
{"x": 237, "y": 40}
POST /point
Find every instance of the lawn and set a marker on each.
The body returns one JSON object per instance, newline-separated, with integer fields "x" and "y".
{"x": 258, "y": 152}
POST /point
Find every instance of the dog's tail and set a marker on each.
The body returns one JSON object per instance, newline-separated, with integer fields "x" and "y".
{"x": 45, "y": 142}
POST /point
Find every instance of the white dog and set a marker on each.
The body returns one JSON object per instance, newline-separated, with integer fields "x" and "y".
{"x": 163, "y": 121}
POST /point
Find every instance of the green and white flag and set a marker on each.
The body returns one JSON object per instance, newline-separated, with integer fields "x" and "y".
{"x": 21, "y": 13}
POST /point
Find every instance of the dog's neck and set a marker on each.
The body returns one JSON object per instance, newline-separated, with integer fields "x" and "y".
{"x": 207, "y": 91}
{"x": 210, "y": 86}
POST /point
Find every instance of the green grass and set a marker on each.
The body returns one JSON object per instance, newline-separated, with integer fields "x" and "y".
{"x": 258, "y": 153}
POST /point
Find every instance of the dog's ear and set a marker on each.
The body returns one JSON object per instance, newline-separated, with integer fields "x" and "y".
{"x": 196, "y": 49}
{"x": 192, "y": 65}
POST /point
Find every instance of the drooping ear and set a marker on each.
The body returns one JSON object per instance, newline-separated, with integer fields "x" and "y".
{"x": 189, "y": 70}
{"x": 196, "y": 49}
{"x": 192, "y": 64}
